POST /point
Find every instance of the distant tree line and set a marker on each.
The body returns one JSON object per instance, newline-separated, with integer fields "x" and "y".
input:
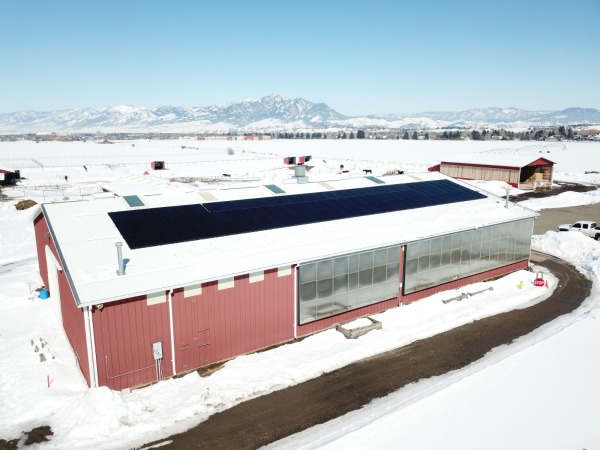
{"x": 533, "y": 134}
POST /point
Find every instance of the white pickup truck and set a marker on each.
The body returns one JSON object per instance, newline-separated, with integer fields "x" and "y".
{"x": 587, "y": 227}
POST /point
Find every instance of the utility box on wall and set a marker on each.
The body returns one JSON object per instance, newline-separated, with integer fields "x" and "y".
{"x": 157, "y": 352}
{"x": 157, "y": 165}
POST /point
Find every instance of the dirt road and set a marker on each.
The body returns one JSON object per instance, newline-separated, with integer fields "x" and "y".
{"x": 271, "y": 417}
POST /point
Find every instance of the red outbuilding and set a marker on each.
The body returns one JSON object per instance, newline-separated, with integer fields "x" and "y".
{"x": 150, "y": 287}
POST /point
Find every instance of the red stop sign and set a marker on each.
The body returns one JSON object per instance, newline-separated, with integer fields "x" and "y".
{"x": 539, "y": 282}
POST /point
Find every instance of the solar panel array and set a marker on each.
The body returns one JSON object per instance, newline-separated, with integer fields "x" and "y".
{"x": 148, "y": 227}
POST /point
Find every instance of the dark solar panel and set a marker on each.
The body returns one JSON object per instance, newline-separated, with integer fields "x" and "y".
{"x": 161, "y": 226}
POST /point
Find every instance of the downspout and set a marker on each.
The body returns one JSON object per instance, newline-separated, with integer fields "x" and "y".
{"x": 295, "y": 305}
{"x": 95, "y": 357}
{"x": 91, "y": 346}
{"x": 171, "y": 328}
{"x": 401, "y": 275}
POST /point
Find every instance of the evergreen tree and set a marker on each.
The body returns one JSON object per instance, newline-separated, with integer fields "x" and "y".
{"x": 352, "y": 135}
{"x": 360, "y": 134}
{"x": 561, "y": 130}
{"x": 415, "y": 135}
{"x": 405, "y": 136}
{"x": 426, "y": 136}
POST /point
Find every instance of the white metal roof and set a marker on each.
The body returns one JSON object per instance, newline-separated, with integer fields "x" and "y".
{"x": 493, "y": 159}
{"x": 86, "y": 237}
{"x": 140, "y": 184}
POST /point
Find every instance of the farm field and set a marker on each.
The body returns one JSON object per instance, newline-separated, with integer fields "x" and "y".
{"x": 543, "y": 382}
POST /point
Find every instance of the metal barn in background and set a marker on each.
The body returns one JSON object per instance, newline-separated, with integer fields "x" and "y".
{"x": 521, "y": 172}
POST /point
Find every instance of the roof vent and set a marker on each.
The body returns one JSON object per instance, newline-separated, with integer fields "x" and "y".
{"x": 507, "y": 196}
{"x": 121, "y": 269}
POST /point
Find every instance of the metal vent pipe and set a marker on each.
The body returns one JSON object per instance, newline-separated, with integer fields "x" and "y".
{"x": 120, "y": 270}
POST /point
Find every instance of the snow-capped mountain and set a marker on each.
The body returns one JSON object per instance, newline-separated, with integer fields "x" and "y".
{"x": 274, "y": 113}
{"x": 504, "y": 117}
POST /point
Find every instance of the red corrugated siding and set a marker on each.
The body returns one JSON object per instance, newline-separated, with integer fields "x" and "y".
{"x": 74, "y": 325}
{"x": 464, "y": 281}
{"x": 495, "y": 166}
{"x": 124, "y": 332}
{"x": 72, "y": 316}
{"x": 40, "y": 228}
{"x": 220, "y": 324}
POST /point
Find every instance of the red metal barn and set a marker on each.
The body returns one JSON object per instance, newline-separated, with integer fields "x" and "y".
{"x": 150, "y": 288}
{"x": 522, "y": 172}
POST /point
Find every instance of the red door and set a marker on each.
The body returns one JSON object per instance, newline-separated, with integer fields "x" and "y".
{"x": 192, "y": 339}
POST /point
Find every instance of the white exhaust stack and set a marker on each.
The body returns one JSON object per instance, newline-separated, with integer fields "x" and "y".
{"x": 507, "y": 196}
{"x": 119, "y": 246}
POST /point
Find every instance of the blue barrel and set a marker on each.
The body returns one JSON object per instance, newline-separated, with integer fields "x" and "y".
{"x": 44, "y": 294}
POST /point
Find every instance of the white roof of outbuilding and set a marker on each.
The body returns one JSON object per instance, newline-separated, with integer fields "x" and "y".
{"x": 493, "y": 159}
{"x": 85, "y": 236}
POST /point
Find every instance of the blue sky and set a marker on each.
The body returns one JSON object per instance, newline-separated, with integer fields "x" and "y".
{"x": 358, "y": 57}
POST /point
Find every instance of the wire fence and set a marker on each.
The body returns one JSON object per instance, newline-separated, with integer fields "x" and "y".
{"x": 49, "y": 192}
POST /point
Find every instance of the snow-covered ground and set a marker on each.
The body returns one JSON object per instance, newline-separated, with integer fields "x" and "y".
{"x": 539, "y": 392}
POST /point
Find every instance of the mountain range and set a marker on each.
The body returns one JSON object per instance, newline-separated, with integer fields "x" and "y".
{"x": 276, "y": 113}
